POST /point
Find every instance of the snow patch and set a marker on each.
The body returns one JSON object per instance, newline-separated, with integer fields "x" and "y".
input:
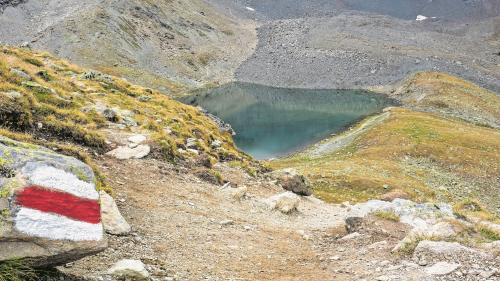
{"x": 421, "y": 18}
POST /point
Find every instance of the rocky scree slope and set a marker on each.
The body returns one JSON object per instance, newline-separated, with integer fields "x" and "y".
{"x": 343, "y": 47}
{"x": 160, "y": 44}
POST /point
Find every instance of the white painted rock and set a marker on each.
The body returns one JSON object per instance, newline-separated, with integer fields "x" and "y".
{"x": 442, "y": 268}
{"x": 49, "y": 209}
{"x": 112, "y": 219}
{"x": 125, "y": 152}
{"x": 285, "y": 202}
{"x": 129, "y": 269}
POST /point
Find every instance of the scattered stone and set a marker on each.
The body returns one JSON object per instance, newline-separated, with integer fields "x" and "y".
{"x": 20, "y": 74}
{"x": 137, "y": 139}
{"x": 111, "y": 114}
{"x": 350, "y": 236}
{"x": 191, "y": 143}
{"x": 226, "y": 222}
{"x": 127, "y": 268}
{"x": 46, "y": 237}
{"x": 125, "y": 152}
{"x": 353, "y": 224}
{"x": 216, "y": 144}
{"x": 97, "y": 76}
{"x": 442, "y": 268}
{"x": 12, "y": 95}
{"x": 290, "y": 180}
{"x": 382, "y": 278}
{"x": 286, "y": 202}
{"x": 38, "y": 88}
{"x": 144, "y": 98}
{"x": 112, "y": 220}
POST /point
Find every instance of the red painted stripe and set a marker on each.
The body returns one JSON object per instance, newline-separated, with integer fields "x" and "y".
{"x": 65, "y": 204}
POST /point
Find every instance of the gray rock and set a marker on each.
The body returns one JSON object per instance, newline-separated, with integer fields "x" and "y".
{"x": 12, "y": 95}
{"x": 216, "y": 144}
{"x": 292, "y": 181}
{"x": 137, "y": 139}
{"x": 127, "y": 269}
{"x": 20, "y": 73}
{"x": 286, "y": 202}
{"x": 111, "y": 114}
{"x": 38, "y": 88}
{"x": 191, "y": 143}
{"x": 144, "y": 98}
{"x": 125, "y": 152}
{"x": 442, "y": 268}
{"x": 28, "y": 230}
{"x": 97, "y": 76}
{"x": 112, "y": 219}
{"x": 440, "y": 250}
{"x": 226, "y": 222}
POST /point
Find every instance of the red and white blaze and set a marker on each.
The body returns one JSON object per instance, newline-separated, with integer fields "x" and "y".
{"x": 59, "y": 206}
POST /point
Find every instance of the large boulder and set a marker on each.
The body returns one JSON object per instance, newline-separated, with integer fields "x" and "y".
{"x": 49, "y": 206}
{"x": 292, "y": 181}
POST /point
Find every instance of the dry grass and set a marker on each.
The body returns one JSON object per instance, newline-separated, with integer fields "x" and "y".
{"x": 452, "y": 96}
{"x": 376, "y": 162}
{"x": 50, "y": 109}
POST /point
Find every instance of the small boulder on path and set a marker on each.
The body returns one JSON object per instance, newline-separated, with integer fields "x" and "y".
{"x": 125, "y": 152}
{"x": 112, "y": 220}
{"x": 127, "y": 269}
{"x": 285, "y": 202}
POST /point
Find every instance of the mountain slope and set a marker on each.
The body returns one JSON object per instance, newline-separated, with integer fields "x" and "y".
{"x": 414, "y": 154}
{"x": 149, "y": 42}
{"x": 48, "y": 101}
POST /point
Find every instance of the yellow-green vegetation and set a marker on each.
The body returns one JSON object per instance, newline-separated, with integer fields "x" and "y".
{"x": 17, "y": 270}
{"x": 451, "y": 95}
{"x": 469, "y": 207}
{"x": 387, "y": 215}
{"x": 411, "y": 154}
{"x": 48, "y": 101}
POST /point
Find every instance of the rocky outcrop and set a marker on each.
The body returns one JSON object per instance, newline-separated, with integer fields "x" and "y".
{"x": 49, "y": 206}
{"x": 292, "y": 181}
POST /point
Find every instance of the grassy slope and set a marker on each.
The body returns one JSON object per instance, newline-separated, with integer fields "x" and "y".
{"x": 414, "y": 154}
{"x": 50, "y": 110}
{"x": 450, "y": 96}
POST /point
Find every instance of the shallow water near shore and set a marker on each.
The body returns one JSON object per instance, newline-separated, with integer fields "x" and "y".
{"x": 272, "y": 122}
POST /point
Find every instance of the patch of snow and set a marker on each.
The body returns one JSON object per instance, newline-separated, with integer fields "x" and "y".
{"x": 420, "y": 18}
{"x": 250, "y": 9}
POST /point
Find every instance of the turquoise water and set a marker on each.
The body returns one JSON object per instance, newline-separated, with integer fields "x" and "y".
{"x": 272, "y": 122}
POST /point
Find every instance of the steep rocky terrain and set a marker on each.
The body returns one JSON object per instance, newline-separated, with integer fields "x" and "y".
{"x": 160, "y": 44}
